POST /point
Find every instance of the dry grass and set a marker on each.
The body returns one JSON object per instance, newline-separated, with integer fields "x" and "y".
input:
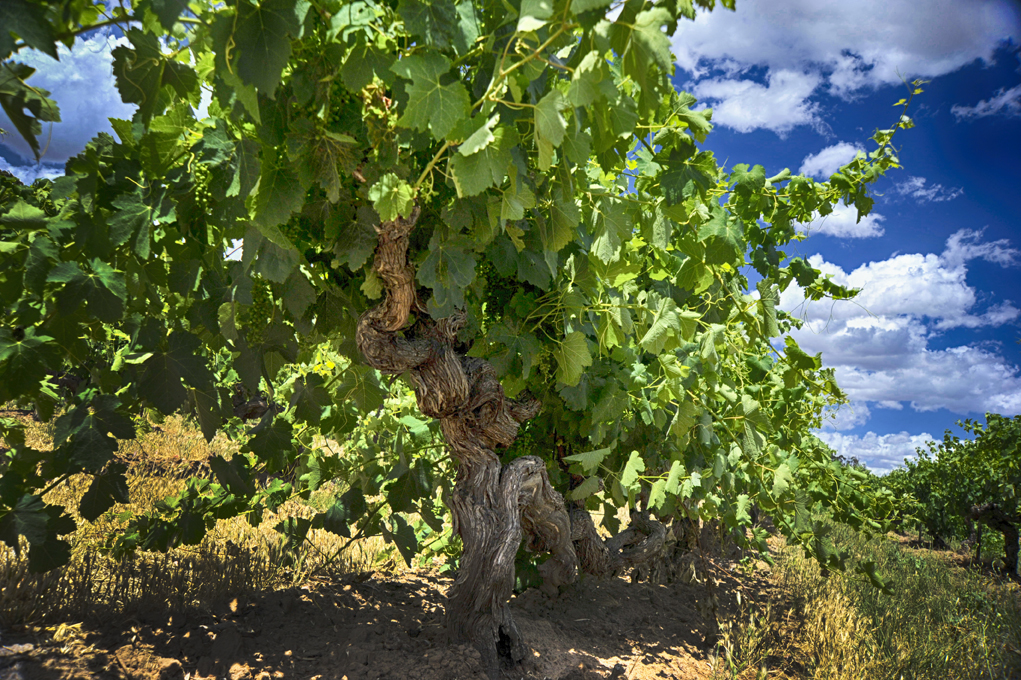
{"x": 940, "y": 622}
{"x": 234, "y": 558}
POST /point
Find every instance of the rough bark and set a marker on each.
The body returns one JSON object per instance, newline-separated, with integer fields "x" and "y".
{"x": 493, "y": 505}
{"x": 998, "y": 519}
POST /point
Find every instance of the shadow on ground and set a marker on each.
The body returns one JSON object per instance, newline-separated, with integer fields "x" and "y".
{"x": 373, "y": 626}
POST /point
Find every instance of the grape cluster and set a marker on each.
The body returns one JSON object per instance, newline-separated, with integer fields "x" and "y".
{"x": 497, "y": 290}
{"x": 201, "y": 192}
{"x": 256, "y": 318}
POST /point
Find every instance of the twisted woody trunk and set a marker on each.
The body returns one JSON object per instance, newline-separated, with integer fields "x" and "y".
{"x": 493, "y": 505}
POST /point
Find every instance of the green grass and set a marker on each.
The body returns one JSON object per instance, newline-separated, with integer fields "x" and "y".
{"x": 940, "y": 621}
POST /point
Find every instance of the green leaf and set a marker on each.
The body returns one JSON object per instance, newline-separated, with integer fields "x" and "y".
{"x": 27, "y": 518}
{"x": 799, "y": 358}
{"x": 549, "y": 122}
{"x": 403, "y": 537}
{"x": 106, "y": 489}
{"x": 657, "y": 494}
{"x": 434, "y": 21}
{"x": 448, "y": 269}
{"x": 589, "y": 461}
{"x": 161, "y": 381}
{"x": 414, "y": 484}
{"x": 572, "y": 356}
{"x": 17, "y": 97}
{"x": 585, "y": 489}
{"x": 168, "y": 10}
{"x": 343, "y": 514}
{"x": 280, "y": 191}
{"x": 563, "y": 227}
{"x": 534, "y": 14}
{"x": 142, "y": 70}
{"x": 310, "y": 398}
{"x": 782, "y": 479}
{"x": 273, "y": 446}
{"x": 481, "y": 138}
{"x": 103, "y": 289}
{"x": 724, "y": 237}
{"x": 579, "y": 6}
{"x": 235, "y": 475}
{"x": 27, "y": 21}
{"x": 26, "y": 358}
{"x": 436, "y": 101}
{"x": 23, "y": 216}
{"x": 262, "y": 43}
{"x": 632, "y": 469}
{"x": 133, "y": 218}
{"x": 611, "y": 228}
{"x": 487, "y": 167}
{"x": 392, "y": 197}
{"x": 673, "y": 480}
{"x": 666, "y": 326}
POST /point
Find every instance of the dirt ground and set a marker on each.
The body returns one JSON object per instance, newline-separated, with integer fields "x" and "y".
{"x": 378, "y": 626}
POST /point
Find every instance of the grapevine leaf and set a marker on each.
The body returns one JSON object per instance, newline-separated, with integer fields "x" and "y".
{"x": 280, "y": 192}
{"x": 572, "y": 356}
{"x": 487, "y": 167}
{"x": 782, "y": 479}
{"x": 657, "y": 494}
{"x": 585, "y": 489}
{"x": 168, "y": 10}
{"x": 26, "y": 518}
{"x": 632, "y": 469}
{"x": 27, "y": 21}
{"x": 133, "y": 218}
{"x": 310, "y": 398}
{"x": 392, "y": 197}
{"x": 23, "y": 216}
{"x": 403, "y": 537}
{"x": 16, "y": 98}
{"x": 563, "y": 226}
{"x": 106, "y": 489}
{"x": 235, "y": 475}
{"x": 262, "y": 41}
{"x": 103, "y": 289}
{"x": 142, "y": 70}
{"x": 673, "y": 480}
{"x": 161, "y": 381}
{"x": 611, "y": 227}
{"x": 433, "y": 21}
{"x": 667, "y": 324}
{"x": 534, "y": 14}
{"x": 589, "y": 461}
{"x": 549, "y": 122}
{"x": 799, "y": 358}
{"x": 480, "y": 138}
{"x": 436, "y": 101}
{"x": 25, "y": 359}
{"x": 448, "y": 270}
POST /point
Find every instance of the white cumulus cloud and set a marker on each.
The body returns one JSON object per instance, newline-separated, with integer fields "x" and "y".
{"x": 843, "y": 223}
{"x": 850, "y": 47}
{"x": 829, "y": 160}
{"x": 915, "y": 187}
{"x": 746, "y": 105}
{"x": 82, "y": 85}
{"x": 1005, "y": 102}
{"x": 881, "y": 453}
{"x": 30, "y": 173}
{"x": 882, "y": 343}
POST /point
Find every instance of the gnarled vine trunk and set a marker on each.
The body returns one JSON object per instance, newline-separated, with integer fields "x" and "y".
{"x": 493, "y": 505}
{"x": 998, "y": 519}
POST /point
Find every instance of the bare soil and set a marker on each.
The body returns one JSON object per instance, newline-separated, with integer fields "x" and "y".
{"x": 391, "y": 626}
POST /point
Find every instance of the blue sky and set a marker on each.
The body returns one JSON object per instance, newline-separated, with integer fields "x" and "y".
{"x": 802, "y": 84}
